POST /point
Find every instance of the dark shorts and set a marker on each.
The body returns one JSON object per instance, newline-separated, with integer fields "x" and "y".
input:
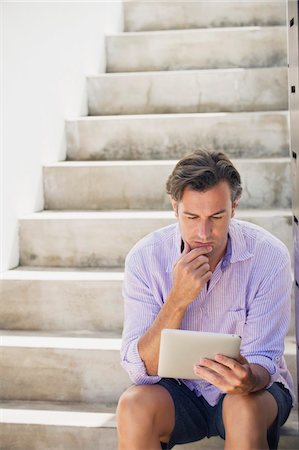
{"x": 195, "y": 419}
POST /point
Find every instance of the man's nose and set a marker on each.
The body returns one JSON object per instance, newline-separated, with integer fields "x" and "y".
{"x": 204, "y": 230}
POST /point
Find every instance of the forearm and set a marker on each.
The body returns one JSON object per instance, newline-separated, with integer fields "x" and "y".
{"x": 170, "y": 316}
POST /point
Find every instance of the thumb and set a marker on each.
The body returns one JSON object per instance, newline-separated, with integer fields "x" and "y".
{"x": 187, "y": 248}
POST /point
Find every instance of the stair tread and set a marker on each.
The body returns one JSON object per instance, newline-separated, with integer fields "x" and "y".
{"x": 175, "y": 116}
{"x": 84, "y": 414}
{"x": 64, "y": 273}
{"x": 153, "y": 162}
{"x": 236, "y": 29}
{"x": 185, "y": 73}
{"x": 59, "y": 413}
{"x": 131, "y": 214}
{"x": 84, "y": 339}
{"x": 78, "y": 340}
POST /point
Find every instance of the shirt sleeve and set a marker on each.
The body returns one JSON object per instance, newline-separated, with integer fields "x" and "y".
{"x": 140, "y": 310}
{"x": 268, "y": 319}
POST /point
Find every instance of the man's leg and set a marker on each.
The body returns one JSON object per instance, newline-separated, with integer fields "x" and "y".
{"x": 246, "y": 420}
{"x": 145, "y": 416}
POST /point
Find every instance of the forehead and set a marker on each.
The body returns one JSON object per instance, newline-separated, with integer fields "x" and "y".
{"x": 212, "y": 200}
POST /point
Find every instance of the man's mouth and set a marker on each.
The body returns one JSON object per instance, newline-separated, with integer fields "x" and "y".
{"x": 203, "y": 244}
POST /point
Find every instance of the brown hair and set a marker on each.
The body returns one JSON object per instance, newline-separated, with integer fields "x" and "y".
{"x": 201, "y": 171}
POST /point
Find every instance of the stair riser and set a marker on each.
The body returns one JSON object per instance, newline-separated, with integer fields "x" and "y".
{"x": 47, "y": 374}
{"x": 197, "y": 49}
{"x": 162, "y": 15}
{"x": 189, "y": 92}
{"x": 68, "y": 375}
{"x": 36, "y": 437}
{"x": 266, "y": 185}
{"x": 67, "y": 306}
{"x": 247, "y": 135}
{"x": 61, "y": 305}
{"x": 81, "y": 243}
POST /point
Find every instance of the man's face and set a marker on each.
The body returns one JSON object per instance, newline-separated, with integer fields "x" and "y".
{"x": 204, "y": 218}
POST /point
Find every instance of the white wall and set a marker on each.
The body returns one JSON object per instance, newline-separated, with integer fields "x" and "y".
{"x": 48, "y": 48}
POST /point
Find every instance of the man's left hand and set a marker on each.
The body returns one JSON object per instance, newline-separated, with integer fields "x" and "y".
{"x": 229, "y": 375}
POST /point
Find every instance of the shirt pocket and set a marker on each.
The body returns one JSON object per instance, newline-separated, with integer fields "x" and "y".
{"x": 234, "y": 321}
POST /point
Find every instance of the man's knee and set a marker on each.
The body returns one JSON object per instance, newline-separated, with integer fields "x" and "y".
{"x": 258, "y": 407}
{"x": 146, "y": 406}
{"x": 133, "y": 403}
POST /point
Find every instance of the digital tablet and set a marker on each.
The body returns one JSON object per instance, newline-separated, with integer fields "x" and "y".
{"x": 180, "y": 350}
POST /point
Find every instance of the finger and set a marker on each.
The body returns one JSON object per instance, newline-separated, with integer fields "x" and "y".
{"x": 196, "y": 252}
{"x": 206, "y": 277}
{"x": 200, "y": 262}
{"x": 219, "y": 375}
{"x": 209, "y": 375}
{"x": 231, "y": 363}
{"x": 222, "y": 370}
{"x": 187, "y": 248}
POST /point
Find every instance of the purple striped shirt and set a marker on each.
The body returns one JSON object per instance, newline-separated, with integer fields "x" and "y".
{"x": 248, "y": 295}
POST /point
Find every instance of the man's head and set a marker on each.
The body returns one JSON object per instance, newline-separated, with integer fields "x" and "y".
{"x": 205, "y": 188}
{"x": 201, "y": 171}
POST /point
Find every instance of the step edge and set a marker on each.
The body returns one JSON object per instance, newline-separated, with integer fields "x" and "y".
{"x": 184, "y": 72}
{"x": 140, "y": 215}
{"x": 129, "y": 34}
{"x": 174, "y": 116}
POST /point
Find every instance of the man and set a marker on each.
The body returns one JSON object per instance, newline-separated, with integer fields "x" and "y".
{"x": 208, "y": 272}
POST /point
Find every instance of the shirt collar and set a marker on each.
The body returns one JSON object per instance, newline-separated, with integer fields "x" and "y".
{"x": 239, "y": 251}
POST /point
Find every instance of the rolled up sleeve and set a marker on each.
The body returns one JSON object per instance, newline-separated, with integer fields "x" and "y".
{"x": 268, "y": 321}
{"x": 140, "y": 310}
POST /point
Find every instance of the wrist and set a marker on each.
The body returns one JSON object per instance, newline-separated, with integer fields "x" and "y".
{"x": 175, "y": 303}
{"x": 261, "y": 377}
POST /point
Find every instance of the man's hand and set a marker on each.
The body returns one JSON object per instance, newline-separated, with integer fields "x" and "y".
{"x": 232, "y": 376}
{"x": 190, "y": 274}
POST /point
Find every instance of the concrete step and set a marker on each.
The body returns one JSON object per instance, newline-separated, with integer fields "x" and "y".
{"x": 83, "y": 239}
{"x": 194, "y": 91}
{"x": 169, "y": 15}
{"x": 95, "y": 185}
{"x": 77, "y": 367}
{"x": 247, "y": 134}
{"x": 52, "y": 426}
{"x": 210, "y": 48}
{"x": 71, "y": 367}
{"x": 64, "y": 299}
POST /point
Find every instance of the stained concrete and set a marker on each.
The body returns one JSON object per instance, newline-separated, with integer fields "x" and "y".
{"x": 211, "y": 48}
{"x": 141, "y": 184}
{"x": 166, "y": 15}
{"x": 84, "y": 239}
{"x": 171, "y": 136}
{"x": 204, "y": 91}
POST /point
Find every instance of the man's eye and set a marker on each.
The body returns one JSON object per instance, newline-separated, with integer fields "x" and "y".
{"x": 191, "y": 218}
{"x": 217, "y": 217}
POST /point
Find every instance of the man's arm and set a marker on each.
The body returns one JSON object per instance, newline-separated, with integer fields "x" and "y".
{"x": 263, "y": 338}
{"x": 190, "y": 274}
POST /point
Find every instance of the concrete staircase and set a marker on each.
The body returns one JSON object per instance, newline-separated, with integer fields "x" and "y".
{"x": 182, "y": 76}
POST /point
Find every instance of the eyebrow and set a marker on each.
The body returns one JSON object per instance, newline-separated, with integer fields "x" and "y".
{"x": 221, "y": 211}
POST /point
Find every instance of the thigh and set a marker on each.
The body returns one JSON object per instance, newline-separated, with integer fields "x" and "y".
{"x": 277, "y": 401}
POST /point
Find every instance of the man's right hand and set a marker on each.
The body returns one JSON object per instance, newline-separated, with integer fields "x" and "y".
{"x": 190, "y": 274}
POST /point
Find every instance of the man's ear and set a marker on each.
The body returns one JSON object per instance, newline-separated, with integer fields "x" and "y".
{"x": 174, "y": 206}
{"x": 234, "y": 206}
